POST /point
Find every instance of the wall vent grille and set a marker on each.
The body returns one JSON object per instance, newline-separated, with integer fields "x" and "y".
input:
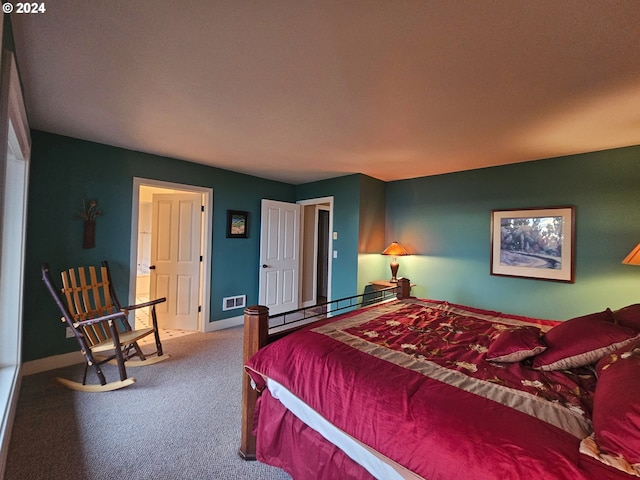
{"x": 229, "y": 303}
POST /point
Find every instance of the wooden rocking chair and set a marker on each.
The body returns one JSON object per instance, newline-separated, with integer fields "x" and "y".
{"x": 91, "y": 309}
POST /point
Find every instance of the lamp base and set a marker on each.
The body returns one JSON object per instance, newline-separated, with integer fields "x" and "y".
{"x": 394, "y": 272}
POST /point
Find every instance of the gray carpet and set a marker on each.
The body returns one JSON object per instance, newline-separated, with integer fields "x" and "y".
{"x": 180, "y": 420}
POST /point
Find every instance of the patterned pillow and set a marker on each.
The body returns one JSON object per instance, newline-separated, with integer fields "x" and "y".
{"x": 616, "y": 410}
{"x": 582, "y": 341}
{"x": 516, "y": 344}
{"x": 628, "y": 316}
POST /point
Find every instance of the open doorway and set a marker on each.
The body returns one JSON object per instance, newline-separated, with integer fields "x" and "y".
{"x": 317, "y": 241}
{"x": 186, "y": 310}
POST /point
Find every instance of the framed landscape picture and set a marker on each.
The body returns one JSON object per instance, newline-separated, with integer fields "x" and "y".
{"x": 237, "y": 224}
{"x": 534, "y": 243}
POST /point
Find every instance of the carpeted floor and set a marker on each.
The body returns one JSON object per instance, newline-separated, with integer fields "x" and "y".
{"x": 180, "y": 420}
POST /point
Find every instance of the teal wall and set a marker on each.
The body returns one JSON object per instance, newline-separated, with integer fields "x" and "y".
{"x": 372, "y": 232}
{"x": 372, "y": 215}
{"x": 66, "y": 170}
{"x": 359, "y": 220}
{"x": 445, "y": 222}
{"x": 346, "y": 221}
{"x": 442, "y": 220}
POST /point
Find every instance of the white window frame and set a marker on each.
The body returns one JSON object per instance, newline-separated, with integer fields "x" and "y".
{"x": 14, "y": 178}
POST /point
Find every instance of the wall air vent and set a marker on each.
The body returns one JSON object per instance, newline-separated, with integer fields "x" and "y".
{"x": 229, "y": 303}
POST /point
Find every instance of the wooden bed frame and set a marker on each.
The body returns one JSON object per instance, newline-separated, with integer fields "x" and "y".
{"x": 258, "y": 333}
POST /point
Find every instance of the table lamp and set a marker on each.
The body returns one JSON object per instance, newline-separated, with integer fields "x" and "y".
{"x": 634, "y": 257}
{"x": 395, "y": 250}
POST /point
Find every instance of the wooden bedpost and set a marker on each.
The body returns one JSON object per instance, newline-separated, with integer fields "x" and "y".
{"x": 256, "y": 329}
{"x": 404, "y": 288}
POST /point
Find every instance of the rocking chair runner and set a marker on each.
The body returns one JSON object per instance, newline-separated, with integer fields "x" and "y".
{"x": 91, "y": 309}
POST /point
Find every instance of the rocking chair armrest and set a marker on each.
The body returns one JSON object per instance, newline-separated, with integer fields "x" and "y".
{"x": 91, "y": 321}
{"x": 145, "y": 304}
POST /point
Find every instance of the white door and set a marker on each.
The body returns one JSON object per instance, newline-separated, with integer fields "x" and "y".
{"x": 279, "y": 256}
{"x": 176, "y": 222}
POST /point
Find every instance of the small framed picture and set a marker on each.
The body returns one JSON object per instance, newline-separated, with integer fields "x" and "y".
{"x": 534, "y": 243}
{"x": 237, "y": 224}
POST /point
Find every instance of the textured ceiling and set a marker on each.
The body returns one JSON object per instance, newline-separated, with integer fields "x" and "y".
{"x": 305, "y": 90}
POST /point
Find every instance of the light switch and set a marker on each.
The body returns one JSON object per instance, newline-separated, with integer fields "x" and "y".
{"x": 335, "y": 235}
{"x": 335, "y": 254}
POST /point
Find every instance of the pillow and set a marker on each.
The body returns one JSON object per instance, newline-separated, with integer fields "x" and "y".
{"x": 516, "y": 344}
{"x": 628, "y": 316}
{"x": 589, "y": 447}
{"x": 616, "y": 409}
{"x": 582, "y": 341}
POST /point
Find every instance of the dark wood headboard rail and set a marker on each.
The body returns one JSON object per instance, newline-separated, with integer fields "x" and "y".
{"x": 258, "y": 333}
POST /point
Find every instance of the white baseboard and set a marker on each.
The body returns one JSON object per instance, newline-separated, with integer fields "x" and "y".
{"x": 49, "y": 363}
{"x": 224, "y": 323}
{"x": 73, "y": 358}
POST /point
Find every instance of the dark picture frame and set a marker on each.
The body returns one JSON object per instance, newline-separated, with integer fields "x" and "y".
{"x": 536, "y": 243}
{"x": 237, "y": 224}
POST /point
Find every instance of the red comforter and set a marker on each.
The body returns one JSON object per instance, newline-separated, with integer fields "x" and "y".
{"x": 410, "y": 380}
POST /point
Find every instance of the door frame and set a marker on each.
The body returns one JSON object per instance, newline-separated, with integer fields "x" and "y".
{"x": 207, "y": 229}
{"x": 321, "y": 201}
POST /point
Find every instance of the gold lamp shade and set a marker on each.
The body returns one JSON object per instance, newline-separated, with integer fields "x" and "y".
{"x": 395, "y": 250}
{"x": 634, "y": 257}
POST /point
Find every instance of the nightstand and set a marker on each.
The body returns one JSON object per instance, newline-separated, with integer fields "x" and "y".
{"x": 380, "y": 284}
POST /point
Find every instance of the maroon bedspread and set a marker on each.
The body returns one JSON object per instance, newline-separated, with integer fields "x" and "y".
{"x": 410, "y": 380}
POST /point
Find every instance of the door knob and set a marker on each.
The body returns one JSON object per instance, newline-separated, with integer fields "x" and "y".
{"x": 152, "y": 267}
{"x": 264, "y": 265}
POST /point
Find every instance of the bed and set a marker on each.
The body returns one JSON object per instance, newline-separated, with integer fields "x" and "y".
{"x": 422, "y": 389}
